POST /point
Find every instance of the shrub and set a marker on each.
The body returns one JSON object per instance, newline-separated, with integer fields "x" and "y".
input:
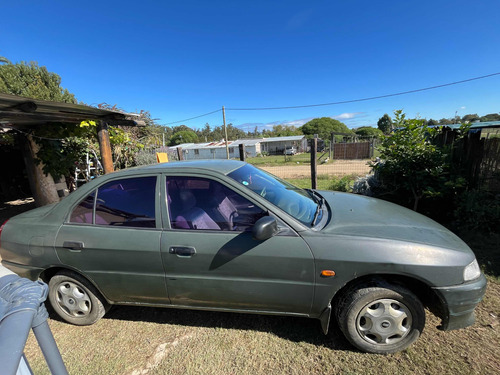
{"x": 342, "y": 184}
{"x": 477, "y": 210}
{"x": 144, "y": 157}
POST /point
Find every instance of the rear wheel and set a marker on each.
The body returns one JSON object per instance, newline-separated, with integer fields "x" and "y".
{"x": 75, "y": 300}
{"x": 381, "y": 320}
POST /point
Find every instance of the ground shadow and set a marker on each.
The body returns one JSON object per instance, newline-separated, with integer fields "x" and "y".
{"x": 290, "y": 328}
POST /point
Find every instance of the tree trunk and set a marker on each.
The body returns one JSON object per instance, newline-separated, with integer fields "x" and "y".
{"x": 42, "y": 186}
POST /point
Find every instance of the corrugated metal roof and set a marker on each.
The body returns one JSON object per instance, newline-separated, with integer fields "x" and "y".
{"x": 20, "y": 111}
{"x": 284, "y": 139}
{"x": 474, "y": 125}
{"x": 236, "y": 143}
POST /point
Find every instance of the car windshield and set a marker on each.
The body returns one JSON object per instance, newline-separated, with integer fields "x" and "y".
{"x": 297, "y": 202}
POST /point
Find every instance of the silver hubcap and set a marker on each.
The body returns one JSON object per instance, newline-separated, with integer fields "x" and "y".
{"x": 384, "y": 321}
{"x": 73, "y": 299}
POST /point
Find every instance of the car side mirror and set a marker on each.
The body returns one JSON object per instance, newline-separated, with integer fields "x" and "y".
{"x": 264, "y": 228}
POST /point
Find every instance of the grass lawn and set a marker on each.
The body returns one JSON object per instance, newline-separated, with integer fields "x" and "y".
{"x": 325, "y": 182}
{"x": 276, "y": 160}
{"x": 137, "y": 340}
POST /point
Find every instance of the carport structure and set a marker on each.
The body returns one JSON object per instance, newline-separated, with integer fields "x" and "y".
{"x": 22, "y": 115}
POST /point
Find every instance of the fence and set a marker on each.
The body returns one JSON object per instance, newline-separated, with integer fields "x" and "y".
{"x": 477, "y": 154}
{"x": 356, "y": 150}
{"x": 489, "y": 169}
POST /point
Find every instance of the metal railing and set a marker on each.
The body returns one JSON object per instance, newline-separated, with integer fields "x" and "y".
{"x": 22, "y": 309}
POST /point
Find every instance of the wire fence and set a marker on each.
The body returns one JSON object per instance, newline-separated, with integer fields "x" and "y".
{"x": 337, "y": 168}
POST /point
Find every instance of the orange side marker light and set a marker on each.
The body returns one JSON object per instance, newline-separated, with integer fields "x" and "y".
{"x": 327, "y": 273}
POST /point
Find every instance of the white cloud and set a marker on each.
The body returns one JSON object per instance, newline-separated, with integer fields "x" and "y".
{"x": 297, "y": 123}
{"x": 346, "y": 116}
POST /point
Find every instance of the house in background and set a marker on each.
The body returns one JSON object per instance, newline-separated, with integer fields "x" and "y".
{"x": 253, "y": 147}
{"x": 277, "y": 145}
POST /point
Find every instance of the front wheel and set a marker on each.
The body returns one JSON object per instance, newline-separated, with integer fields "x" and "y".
{"x": 75, "y": 300}
{"x": 381, "y": 320}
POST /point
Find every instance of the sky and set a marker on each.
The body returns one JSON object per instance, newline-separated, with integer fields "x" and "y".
{"x": 182, "y": 59}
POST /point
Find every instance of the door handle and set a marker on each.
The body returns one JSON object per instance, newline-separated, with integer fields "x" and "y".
{"x": 183, "y": 251}
{"x": 73, "y": 245}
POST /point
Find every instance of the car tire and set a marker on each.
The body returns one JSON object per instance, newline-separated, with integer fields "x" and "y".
{"x": 381, "y": 319}
{"x": 76, "y": 300}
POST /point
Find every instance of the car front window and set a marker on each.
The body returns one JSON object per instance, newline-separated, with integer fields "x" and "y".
{"x": 203, "y": 204}
{"x": 291, "y": 199}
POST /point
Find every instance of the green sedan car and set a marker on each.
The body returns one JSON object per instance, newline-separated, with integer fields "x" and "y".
{"x": 223, "y": 235}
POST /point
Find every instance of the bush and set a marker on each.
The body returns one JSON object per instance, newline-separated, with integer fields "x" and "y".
{"x": 144, "y": 157}
{"x": 477, "y": 210}
{"x": 342, "y": 184}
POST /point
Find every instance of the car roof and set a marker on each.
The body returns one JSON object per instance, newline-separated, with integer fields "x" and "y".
{"x": 217, "y": 165}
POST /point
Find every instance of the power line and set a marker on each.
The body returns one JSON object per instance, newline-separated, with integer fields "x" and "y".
{"x": 192, "y": 118}
{"x": 30, "y": 134}
{"x": 366, "y": 99}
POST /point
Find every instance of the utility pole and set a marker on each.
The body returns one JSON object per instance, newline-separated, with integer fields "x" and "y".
{"x": 225, "y": 130}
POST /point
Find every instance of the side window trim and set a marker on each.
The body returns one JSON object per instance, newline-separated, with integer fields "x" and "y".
{"x": 75, "y": 205}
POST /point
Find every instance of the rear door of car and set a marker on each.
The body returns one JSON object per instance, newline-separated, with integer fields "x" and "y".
{"x": 223, "y": 266}
{"x": 113, "y": 238}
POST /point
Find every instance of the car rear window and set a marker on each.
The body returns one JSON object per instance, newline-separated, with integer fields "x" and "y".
{"x": 127, "y": 202}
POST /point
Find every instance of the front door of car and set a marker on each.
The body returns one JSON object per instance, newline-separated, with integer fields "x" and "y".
{"x": 211, "y": 259}
{"x": 112, "y": 237}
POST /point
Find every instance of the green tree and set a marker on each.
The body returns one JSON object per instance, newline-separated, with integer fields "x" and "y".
{"x": 368, "y": 131}
{"x": 62, "y": 144}
{"x": 204, "y": 134}
{"x": 490, "y": 117}
{"x": 445, "y": 121}
{"x": 412, "y": 166}
{"x": 385, "y": 124}
{"x": 432, "y": 122}
{"x": 233, "y": 133}
{"x": 284, "y": 131}
{"x": 183, "y": 136}
{"x": 470, "y": 118}
{"x": 33, "y": 81}
{"x": 324, "y": 126}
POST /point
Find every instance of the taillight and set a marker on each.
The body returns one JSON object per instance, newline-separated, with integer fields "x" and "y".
{"x": 1, "y": 228}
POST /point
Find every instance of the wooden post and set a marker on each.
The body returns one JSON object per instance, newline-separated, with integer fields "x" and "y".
{"x": 179, "y": 153}
{"x": 314, "y": 164}
{"x": 242, "y": 152}
{"x": 225, "y": 130}
{"x": 105, "y": 146}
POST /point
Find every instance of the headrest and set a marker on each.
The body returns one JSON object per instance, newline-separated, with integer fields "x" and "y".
{"x": 187, "y": 198}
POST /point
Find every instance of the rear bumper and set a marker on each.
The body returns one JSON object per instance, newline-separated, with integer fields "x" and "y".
{"x": 28, "y": 272}
{"x": 459, "y": 303}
